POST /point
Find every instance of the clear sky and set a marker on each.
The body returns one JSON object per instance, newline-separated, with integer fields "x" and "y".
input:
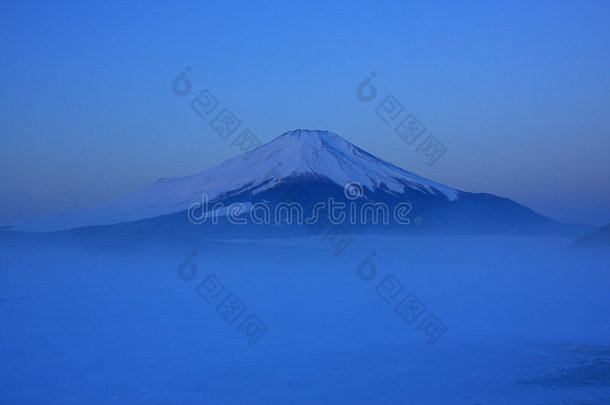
{"x": 518, "y": 92}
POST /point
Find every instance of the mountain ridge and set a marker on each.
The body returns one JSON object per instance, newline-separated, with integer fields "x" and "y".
{"x": 296, "y": 157}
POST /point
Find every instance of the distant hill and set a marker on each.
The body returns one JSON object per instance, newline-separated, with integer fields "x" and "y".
{"x": 600, "y": 239}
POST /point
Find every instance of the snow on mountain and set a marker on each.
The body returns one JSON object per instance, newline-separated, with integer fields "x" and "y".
{"x": 300, "y": 152}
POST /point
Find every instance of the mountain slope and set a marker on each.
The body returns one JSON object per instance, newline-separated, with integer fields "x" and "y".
{"x": 598, "y": 239}
{"x": 323, "y": 163}
{"x": 300, "y": 152}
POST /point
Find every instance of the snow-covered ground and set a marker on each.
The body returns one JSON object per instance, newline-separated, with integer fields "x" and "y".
{"x": 527, "y": 322}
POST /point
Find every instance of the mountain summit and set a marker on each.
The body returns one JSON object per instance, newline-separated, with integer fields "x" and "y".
{"x": 322, "y": 163}
{"x": 325, "y": 154}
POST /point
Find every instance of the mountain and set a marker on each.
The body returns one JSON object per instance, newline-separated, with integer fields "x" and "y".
{"x": 319, "y": 164}
{"x": 598, "y": 239}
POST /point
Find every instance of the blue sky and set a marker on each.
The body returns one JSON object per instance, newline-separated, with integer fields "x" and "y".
{"x": 518, "y": 93}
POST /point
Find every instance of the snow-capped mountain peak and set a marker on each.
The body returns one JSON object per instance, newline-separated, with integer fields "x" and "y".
{"x": 321, "y": 154}
{"x": 324, "y": 153}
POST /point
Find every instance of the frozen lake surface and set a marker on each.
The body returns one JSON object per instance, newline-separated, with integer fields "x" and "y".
{"x": 527, "y": 322}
